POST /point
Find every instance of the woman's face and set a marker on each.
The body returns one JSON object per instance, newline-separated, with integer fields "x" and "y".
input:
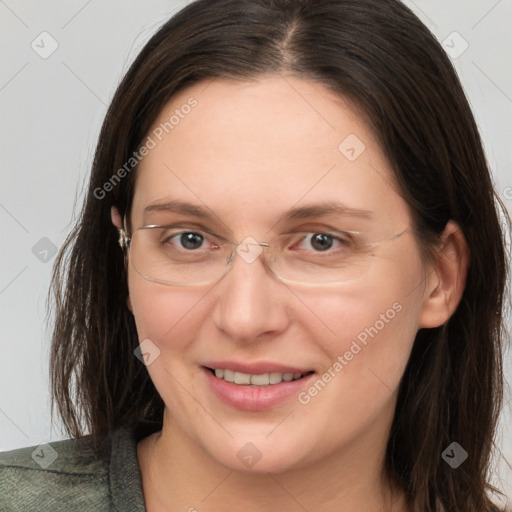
{"x": 247, "y": 153}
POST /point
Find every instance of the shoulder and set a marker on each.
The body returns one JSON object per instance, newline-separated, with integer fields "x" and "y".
{"x": 71, "y": 475}
{"x": 56, "y": 476}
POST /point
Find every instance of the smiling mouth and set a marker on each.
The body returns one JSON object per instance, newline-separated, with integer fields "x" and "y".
{"x": 262, "y": 380}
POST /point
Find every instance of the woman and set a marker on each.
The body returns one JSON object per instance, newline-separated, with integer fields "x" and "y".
{"x": 285, "y": 291}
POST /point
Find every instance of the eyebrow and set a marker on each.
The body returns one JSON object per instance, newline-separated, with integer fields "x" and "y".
{"x": 179, "y": 207}
{"x": 302, "y": 212}
{"x": 321, "y": 209}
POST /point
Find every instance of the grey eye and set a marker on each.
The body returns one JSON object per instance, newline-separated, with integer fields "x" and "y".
{"x": 191, "y": 240}
{"x": 321, "y": 241}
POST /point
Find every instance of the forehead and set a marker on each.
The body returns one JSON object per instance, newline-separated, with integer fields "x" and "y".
{"x": 260, "y": 147}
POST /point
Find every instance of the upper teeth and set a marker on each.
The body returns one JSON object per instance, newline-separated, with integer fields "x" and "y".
{"x": 257, "y": 380}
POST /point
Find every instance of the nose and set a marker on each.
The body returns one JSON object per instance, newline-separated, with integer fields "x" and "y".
{"x": 250, "y": 301}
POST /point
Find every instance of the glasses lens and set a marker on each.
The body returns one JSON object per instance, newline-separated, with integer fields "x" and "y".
{"x": 320, "y": 258}
{"x": 175, "y": 256}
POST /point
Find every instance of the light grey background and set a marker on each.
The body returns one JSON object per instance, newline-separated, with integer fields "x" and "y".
{"x": 51, "y": 111}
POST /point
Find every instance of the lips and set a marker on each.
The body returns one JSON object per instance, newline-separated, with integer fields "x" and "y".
{"x": 247, "y": 397}
{"x": 256, "y": 368}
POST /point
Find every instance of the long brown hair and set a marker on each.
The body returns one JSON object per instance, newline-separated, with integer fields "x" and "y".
{"x": 380, "y": 56}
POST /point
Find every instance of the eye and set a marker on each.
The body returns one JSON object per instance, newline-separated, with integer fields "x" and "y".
{"x": 189, "y": 240}
{"x": 182, "y": 240}
{"x": 322, "y": 242}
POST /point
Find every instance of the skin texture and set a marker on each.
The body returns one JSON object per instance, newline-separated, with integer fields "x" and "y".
{"x": 249, "y": 151}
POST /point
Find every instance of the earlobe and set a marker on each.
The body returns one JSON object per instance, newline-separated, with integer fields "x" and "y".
{"x": 129, "y": 304}
{"x": 447, "y": 280}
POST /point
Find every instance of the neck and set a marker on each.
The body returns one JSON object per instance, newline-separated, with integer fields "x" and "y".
{"x": 178, "y": 475}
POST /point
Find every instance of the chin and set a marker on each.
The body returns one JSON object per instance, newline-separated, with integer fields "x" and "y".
{"x": 259, "y": 458}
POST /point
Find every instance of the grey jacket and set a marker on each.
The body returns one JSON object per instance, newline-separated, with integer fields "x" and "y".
{"x": 66, "y": 476}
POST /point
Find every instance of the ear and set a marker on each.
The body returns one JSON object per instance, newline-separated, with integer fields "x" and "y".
{"x": 116, "y": 217}
{"x": 117, "y": 221}
{"x": 447, "y": 279}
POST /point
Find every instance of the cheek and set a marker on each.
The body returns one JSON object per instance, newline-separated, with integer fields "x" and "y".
{"x": 371, "y": 325}
{"x": 363, "y": 364}
{"x": 171, "y": 318}
{"x": 163, "y": 313}
{"x": 385, "y": 304}
{"x": 374, "y": 331}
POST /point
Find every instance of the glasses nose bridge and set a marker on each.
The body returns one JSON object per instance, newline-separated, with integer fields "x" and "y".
{"x": 249, "y": 250}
